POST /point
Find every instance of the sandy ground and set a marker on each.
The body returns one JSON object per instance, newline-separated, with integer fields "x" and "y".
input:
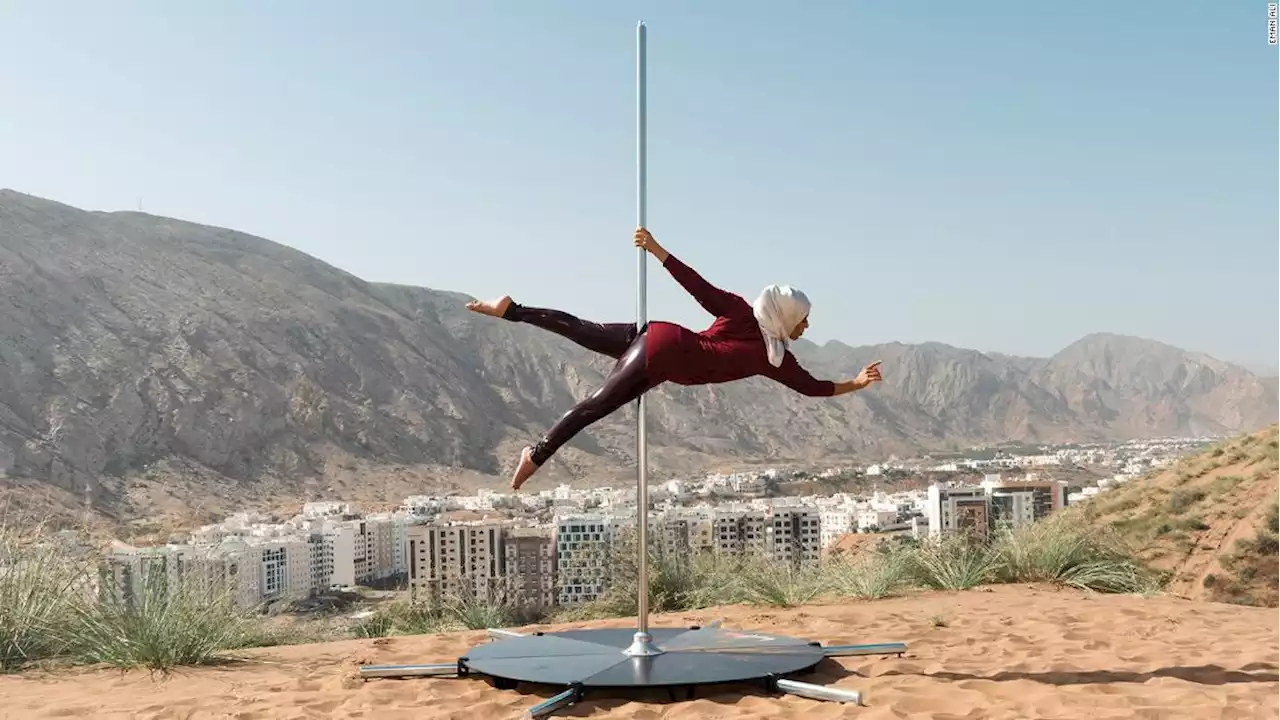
{"x": 1004, "y": 652}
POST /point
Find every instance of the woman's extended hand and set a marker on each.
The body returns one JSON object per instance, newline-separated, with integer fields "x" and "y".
{"x": 870, "y": 374}
{"x": 644, "y": 240}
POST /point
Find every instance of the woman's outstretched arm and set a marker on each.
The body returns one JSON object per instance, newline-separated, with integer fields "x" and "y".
{"x": 797, "y": 378}
{"x": 712, "y": 299}
{"x": 870, "y": 374}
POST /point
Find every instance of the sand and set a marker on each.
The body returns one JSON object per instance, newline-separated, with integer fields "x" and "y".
{"x": 1011, "y": 652}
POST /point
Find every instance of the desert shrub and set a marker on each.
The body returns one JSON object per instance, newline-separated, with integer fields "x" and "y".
{"x": 1181, "y": 501}
{"x": 1272, "y": 521}
{"x": 164, "y": 622}
{"x": 953, "y": 562}
{"x": 1224, "y": 484}
{"x": 466, "y": 609}
{"x": 780, "y": 584}
{"x": 1056, "y": 550}
{"x": 401, "y": 618}
{"x": 40, "y": 584}
{"x": 1265, "y": 544}
{"x": 871, "y": 576}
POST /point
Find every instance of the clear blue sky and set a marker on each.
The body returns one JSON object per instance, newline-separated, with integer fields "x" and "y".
{"x": 1005, "y": 176}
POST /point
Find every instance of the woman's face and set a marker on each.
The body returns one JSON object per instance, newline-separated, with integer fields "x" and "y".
{"x": 800, "y": 328}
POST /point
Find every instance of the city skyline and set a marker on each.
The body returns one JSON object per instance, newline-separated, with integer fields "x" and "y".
{"x": 553, "y": 547}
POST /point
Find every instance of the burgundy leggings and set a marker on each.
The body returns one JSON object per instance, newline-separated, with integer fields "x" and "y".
{"x": 628, "y": 380}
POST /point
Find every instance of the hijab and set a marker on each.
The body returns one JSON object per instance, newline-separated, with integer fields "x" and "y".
{"x": 779, "y": 309}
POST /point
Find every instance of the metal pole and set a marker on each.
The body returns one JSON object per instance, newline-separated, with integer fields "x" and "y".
{"x": 643, "y": 643}
{"x": 819, "y": 692}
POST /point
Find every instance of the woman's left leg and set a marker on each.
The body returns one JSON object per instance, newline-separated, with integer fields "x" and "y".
{"x": 628, "y": 381}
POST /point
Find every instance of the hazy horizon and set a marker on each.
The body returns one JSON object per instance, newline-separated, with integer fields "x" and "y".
{"x": 1008, "y": 178}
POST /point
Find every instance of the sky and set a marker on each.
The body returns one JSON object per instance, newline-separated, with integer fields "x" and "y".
{"x": 999, "y": 175}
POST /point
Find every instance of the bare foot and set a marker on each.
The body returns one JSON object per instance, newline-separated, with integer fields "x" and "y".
{"x": 492, "y": 308}
{"x": 523, "y": 470}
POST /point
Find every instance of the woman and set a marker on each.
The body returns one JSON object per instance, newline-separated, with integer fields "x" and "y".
{"x": 744, "y": 341}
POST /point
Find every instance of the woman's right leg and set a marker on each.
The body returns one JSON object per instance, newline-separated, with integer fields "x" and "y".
{"x": 610, "y": 339}
{"x": 629, "y": 380}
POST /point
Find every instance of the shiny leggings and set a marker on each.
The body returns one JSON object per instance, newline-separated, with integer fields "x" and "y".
{"x": 628, "y": 380}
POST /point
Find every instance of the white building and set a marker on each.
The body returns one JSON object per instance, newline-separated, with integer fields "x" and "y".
{"x": 835, "y": 524}
{"x": 582, "y": 554}
{"x": 325, "y": 509}
{"x": 339, "y": 555}
{"x": 463, "y": 559}
{"x": 871, "y": 519}
{"x": 210, "y": 569}
{"x": 994, "y": 503}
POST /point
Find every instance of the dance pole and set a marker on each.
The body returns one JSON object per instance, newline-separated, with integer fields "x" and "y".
{"x": 642, "y": 644}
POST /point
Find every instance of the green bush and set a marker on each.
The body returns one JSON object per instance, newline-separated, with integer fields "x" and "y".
{"x": 870, "y": 577}
{"x": 40, "y": 585}
{"x": 1181, "y": 501}
{"x": 167, "y": 622}
{"x": 953, "y": 562}
{"x": 780, "y": 584}
{"x": 1058, "y": 551}
{"x": 401, "y": 618}
{"x": 1273, "y": 518}
{"x": 471, "y": 611}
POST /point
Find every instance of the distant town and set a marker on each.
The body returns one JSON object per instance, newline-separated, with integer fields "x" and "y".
{"x": 548, "y": 548}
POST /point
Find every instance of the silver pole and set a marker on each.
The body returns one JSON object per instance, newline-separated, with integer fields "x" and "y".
{"x": 642, "y": 644}
{"x": 399, "y": 671}
{"x": 820, "y": 692}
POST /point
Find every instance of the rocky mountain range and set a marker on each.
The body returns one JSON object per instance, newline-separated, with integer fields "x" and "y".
{"x": 145, "y": 358}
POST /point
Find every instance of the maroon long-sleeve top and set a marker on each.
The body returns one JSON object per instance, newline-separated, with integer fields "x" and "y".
{"x": 732, "y": 348}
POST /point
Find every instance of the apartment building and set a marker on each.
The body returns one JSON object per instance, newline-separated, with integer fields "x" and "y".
{"x": 995, "y": 503}
{"x": 456, "y": 560}
{"x": 795, "y": 535}
{"x": 835, "y": 523}
{"x": 284, "y": 567}
{"x": 741, "y": 531}
{"x": 530, "y": 567}
{"x": 871, "y": 519}
{"x": 380, "y": 552}
{"x": 128, "y": 571}
{"x": 582, "y": 554}
{"x": 339, "y": 555}
{"x": 952, "y": 509}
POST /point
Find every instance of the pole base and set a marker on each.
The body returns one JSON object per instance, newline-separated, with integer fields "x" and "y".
{"x": 642, "y": 646}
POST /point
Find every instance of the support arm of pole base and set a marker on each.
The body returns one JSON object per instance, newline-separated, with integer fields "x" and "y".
{"x": 818, "y": 692}
{"x": 396, "y": 671}
{"x": 877, "y": 649}
{"x": 555, "y": 702}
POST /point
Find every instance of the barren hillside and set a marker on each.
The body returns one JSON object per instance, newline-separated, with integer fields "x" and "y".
{"x": 152, "y": 364}
{"x": 1209, "y": 520}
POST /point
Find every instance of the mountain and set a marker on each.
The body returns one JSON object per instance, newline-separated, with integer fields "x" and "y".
{"x": 146, "y": 360}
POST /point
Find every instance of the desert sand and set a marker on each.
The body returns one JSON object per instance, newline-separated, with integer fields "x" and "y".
{"x": 1013, "y": 652}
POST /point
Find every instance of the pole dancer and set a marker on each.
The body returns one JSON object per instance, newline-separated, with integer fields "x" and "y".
{"x": 745, "y": 340}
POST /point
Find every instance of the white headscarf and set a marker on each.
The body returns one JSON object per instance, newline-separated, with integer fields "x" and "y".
{"x": 779, "y": 309}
